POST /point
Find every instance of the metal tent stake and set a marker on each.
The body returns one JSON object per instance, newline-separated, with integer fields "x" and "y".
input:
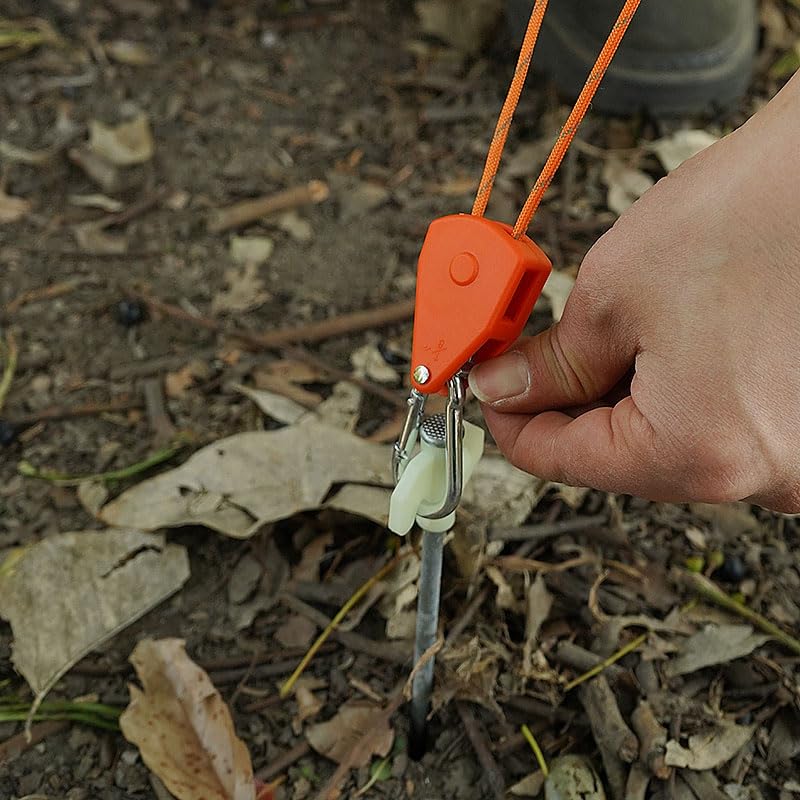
{"x": 430, "y": 582}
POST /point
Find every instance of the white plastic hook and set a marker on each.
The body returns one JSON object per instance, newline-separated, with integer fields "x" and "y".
{"x": 423, "y": 484}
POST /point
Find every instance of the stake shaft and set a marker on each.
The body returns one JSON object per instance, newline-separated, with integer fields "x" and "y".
{"x": 430, "y": 580}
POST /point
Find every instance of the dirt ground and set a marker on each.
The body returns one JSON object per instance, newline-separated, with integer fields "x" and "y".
{"x": 246, "y": 100}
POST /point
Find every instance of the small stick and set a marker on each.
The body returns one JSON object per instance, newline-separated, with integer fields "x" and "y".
{"x": 66, "y": 412}
{"x": 547, "y": 530}
{"x": 638, "y": 781}
{"x": 711, "y": 591}
{"x": 350, "y": 639}
{"x": 43, "y": 293}
{"x": 248, "y": 211}
{"x": 607, "y": 662}
{"x": 10, "y": 353}
{"x": 652, "y": 739}
{"x": 134, "y": 210}
{"x": 572, "y": 655}
{"x": 285, "y": 761}
{"x": 160, "y": 423}
{"x": 340, "y": 615}
{"x": 610, "y": 729}
{"x": 517, "y": 564}
{"x": 478, "y": 739}
{"x": 537, "y": 708}
{"x": 15, "y": 746}
{"x": 603, "y": 713}
{"x": 303, "y": 22}
{"x": 466, "y": 618}
{"x": 362, "y": 747}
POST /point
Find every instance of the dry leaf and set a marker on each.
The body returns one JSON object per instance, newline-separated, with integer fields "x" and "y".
{"x": 92, "y": 238}
{"x": 12, "y": 209}
{"x": 735, "y": 520}
{"x": 296, "y": 631}
{"x": 183, "y": 728}
{"x": 245, "y": 291}
{"x": 176, "y": 383}
{"x": 336, "y": 738}
{"x": 463, "y": 24}
{"x": 67, "y": 594}
{"x": 254, "y": 587}
{"x": 308, "y": 705}
{"x": 100, "y": 201}
{"x": 625, "y": 184}
{"x": 342, "y": 408}
{"x": 240, "y": 483}
{"x": 540, "y": 601}
{"x": 131, "y": 54}
{"x": 251, "y": 249}
{"x": 505, "y": 594}
{"x": 292, "y": 223}
{"x": 710, "y": 749}
{"x": 20, "y": 155}
{"x": 368, "y": 362}
{"x": 92, "y": 495}
{"x": 124, "y": 145}
{"x": 307, "y": 569}
{"x": 715, "y": 644}
{"x": 370, "y": 502}
{"x": 282, "y": 409}
{"x": 573, "y": 777}
{"x": 673, "y": 150}
{"x": 557, "y": 289}
{"x": 359, "y": 198}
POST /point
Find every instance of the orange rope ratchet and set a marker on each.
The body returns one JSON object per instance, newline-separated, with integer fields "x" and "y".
{"x": 478, "y": 279}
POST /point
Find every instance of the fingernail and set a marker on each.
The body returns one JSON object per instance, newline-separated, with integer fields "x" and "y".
{"x": 501, "y": 378}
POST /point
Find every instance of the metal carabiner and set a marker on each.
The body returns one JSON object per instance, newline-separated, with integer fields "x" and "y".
{"x": 454, "y": 433}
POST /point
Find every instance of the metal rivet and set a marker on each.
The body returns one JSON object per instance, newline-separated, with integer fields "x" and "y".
{"x": 421, "y": 374}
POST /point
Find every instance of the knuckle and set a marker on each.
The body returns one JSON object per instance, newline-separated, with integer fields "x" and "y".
{"x": 720, "y": 470}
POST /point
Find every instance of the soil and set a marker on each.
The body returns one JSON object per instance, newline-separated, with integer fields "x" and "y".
{"x": 246, "y": 99}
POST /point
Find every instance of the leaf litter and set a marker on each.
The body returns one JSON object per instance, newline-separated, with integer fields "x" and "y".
{"x": 104, "y": 581}
{"x": 183, "y": 727}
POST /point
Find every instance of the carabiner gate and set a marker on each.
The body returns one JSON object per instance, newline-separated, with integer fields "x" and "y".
{"x": 453, "y": 442}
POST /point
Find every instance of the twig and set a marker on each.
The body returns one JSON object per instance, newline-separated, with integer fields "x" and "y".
{"x": 340, "y": 615}
{"x": 285, "y": 761}
{"x": 134, "y": 210}
{"x": 711, "y": 591}
{"x": 516, "y": 564}
{"x": 311, "y": 332}
{"x": 157, "y": 416}
{"x": 652, "y": 740}
{"x": 43, "y": 293}
{"x": 385, "y": 651}
{"x": 66, "y": 412}
{"x": 610, "y": 732}
{"x": 60, "y": 479}
{"x": 537, "y": 751}
{"x": 15, "y": 746}
{"x": 248, "y": 211}
{"x": 310, "y": 21}
{"x": 152, "y": 366}
{"x": 638, "y": 781}
{"x": 9, "y": 352}
{"x": 579, "y": 658}
{"x": 478, "y": 739}
{"x": 547, "y": 530}
{"x": 363, "y": 747}
{"x": 612, "y": 659}
{"x": 466, "y": 618}
{"x": 529, "y": 705}
{"x": 609, "y": 728}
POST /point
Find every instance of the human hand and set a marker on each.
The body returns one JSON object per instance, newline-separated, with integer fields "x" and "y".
{"x": 695, "y": 292}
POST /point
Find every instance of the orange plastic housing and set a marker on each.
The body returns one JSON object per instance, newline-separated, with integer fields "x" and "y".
{"x": 476, "y": 288}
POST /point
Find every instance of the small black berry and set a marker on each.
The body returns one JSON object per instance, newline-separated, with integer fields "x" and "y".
{"x": 129, "y": 312}
{"x": 8, "y": 433}
{"x": 732, "y": 570}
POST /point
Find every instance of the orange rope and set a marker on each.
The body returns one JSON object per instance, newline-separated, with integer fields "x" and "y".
{"x": 576, "y": 116}
{"x": 507, "y": 113}
{"x": 570, "y": 126}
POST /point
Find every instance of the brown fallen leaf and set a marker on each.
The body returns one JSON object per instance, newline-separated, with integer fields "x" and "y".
{"x": 296, "y": 631}
{"x": 183, "y": 728}
{"x": 132, "y": 54}
{"x": 123, "y": 145}
{"x": 336, "y": 738}
{"x": 12, "y": 209}
{"x": 710, "y": 749}
{"x": 245, "y": 291}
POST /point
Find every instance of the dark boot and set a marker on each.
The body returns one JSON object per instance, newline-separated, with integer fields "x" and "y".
{"x": 678, "y": 56}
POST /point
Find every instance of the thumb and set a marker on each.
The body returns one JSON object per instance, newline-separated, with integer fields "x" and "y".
{"x": 574, "y": 363}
